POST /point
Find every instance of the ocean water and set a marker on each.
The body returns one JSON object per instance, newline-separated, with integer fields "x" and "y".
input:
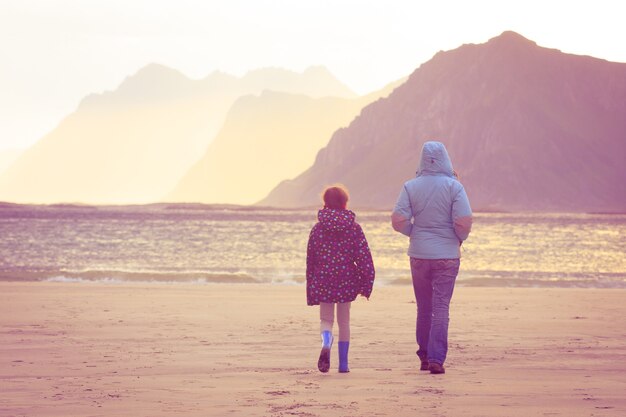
{"x": 203, "y": 244}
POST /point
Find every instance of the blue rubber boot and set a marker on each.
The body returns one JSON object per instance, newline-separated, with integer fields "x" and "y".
{"x": 323, "y": 364}
{"x": 343, "y": 357}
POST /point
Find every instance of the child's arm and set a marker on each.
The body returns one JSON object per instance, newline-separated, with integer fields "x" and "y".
{"x": 310, "y": 262}
{"x": 310, "y": 256}
{"x": 364, "y": 264}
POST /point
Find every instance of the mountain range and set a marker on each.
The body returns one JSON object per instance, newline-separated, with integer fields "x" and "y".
{"x": 134, "y": 144}
{"x": 265, "y": 139}
{"x": 528, "y": 128}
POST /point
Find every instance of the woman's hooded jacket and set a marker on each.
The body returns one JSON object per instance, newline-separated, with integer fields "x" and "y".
{"x": 339, "y": 264}
{"x": 433, "y": 208}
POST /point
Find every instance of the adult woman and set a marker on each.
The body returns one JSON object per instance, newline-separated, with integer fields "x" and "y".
{"x": 434, "y": 211}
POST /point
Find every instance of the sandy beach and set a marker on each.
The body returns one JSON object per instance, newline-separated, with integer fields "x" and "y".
{"x": 94, "y": 349}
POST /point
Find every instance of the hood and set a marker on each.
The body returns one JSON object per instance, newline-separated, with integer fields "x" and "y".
{"x": 336, "y": 220}
{"x": 435, "y": 160}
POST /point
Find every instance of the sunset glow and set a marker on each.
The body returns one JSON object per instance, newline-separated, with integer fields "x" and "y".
{"x": 56, "y": 52}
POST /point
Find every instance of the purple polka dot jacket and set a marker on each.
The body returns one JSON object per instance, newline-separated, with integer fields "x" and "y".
{"x": 339, "y": 264}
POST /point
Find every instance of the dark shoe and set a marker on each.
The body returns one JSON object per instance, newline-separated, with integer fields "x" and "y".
{"x": 343, "y": 357}
{"x": 436, "y": 368}
{"x": 323, "y": 363}
{"x": 423, "y": 360}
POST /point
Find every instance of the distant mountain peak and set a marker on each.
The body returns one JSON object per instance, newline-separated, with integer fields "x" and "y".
{"x": 219, "y": 76}
{"x": 154, "y": 72}
{"x": 154, "y": 67}
{"x": 512, "y": 35}
{"x": 509, "y": 38}
{"x": 152, "y": 81}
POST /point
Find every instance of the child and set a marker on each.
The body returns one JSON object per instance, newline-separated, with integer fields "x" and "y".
{"x": 338, "y": 268}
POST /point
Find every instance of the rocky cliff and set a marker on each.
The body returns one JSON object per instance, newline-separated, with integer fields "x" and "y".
{"x": 528, "y": 128}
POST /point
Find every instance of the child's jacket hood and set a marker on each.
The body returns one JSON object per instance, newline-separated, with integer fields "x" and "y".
{"x": 335, "y": 220}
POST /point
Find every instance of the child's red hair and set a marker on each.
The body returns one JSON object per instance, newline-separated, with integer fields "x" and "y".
{"x": 335, "y": 197}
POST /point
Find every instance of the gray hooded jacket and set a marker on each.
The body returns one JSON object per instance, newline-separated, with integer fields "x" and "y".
{"x": 433, "y": 208}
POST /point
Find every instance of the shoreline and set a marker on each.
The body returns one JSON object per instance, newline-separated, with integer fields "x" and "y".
{"x": 251, "y": 350}
{"x": 245, "y": 279}
{"x": 164, "y": 205}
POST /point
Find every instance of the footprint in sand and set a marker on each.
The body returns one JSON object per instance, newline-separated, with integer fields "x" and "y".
{"x": 277, "y": 393}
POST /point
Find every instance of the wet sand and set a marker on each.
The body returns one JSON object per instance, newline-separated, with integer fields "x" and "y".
{"x": 94, "y": 349}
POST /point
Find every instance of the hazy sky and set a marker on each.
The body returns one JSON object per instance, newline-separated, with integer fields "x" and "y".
{"x": 54, "y": 52}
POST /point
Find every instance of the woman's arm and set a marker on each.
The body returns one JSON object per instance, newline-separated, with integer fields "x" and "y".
{"x": 461, "y": 214}
{"x": 401, "y": 215}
